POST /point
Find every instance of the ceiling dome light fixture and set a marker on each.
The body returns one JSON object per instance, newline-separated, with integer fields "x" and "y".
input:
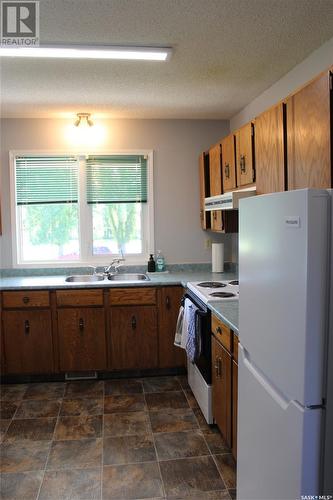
{"x": 75, "y": 51}
{"x": 85, "y": 117}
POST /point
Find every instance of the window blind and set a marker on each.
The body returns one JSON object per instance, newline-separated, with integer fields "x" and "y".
{"x": 46, "y": 179}
{"x": 116, "y": 179}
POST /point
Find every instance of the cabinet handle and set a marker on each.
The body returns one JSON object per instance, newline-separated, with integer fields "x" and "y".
{"x": 26, "y": 300}
{"x": 133, "y": 322}
{"x": 214, "y": 215}
{"x": 216, "y": 366}
{"x": 26, "y": 327}
{"x": 218, "y": 330}
{"x": 167, "y": 302}
{"x": 201, "y": 214}
{"x": 81, "y": 324}
{"x": 242, "y": 164}
{"x": 227, "y": 170}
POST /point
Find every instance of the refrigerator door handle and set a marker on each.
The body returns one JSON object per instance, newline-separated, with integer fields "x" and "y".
{"x": 263, "y": 381}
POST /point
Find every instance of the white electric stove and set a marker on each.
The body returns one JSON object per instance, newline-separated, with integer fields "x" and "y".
{"x": 215, "y": 291}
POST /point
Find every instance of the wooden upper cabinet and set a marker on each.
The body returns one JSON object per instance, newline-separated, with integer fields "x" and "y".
{"x": 215, "y": 170}
{"x": 308, "y": 135}
{"x": 204, "y": 189}
{"x": 244, "y": 155}
{"x": 228, "y": 163}
{"x": 270, "y": 150}
{"x": 215, "y": 184}
{"x": 169, "y": 302}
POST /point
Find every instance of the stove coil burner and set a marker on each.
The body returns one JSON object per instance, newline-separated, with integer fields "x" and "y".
{"x": 211, "y": 284}
{"x": 222, "y": 295}
{"x": 234, "y": 282}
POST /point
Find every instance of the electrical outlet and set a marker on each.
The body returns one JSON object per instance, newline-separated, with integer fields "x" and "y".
{"x": 208, "y": 243}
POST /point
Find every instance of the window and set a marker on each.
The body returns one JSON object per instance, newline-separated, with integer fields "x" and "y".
{"x": 82, "y": 209}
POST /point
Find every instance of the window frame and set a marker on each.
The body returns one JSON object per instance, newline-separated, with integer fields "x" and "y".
{"x": 85, "y": 230}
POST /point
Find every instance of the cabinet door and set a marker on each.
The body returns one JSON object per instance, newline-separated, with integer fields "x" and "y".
{"x": 270, "y": 151}
{"x": 28, "y": 341}
{"x": 308, "y": 136}
{"x": 215, "y": 184}
{"x": 82, "y": 339}
{"x": 229, "y": 220}
{"x": 169, "y": 303}
{"x": 228, "y": 163}
{"x": 133, "y": 337}
{"x": 234, "y": 408}
{"x": 204, "y": 189}
{"x": 244, "y": 155}
{"x": 221, "y": 365}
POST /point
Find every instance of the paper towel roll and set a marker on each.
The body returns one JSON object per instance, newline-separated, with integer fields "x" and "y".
{"x": 217, "y": 257}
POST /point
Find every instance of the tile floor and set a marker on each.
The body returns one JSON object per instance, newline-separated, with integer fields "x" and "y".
{"x": 115, "y": 439}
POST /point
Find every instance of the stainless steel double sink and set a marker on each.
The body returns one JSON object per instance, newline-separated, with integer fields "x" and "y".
{"x": 119, "y": 277}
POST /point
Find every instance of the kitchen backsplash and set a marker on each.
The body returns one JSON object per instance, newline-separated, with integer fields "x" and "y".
{"x": 60, "y": 271}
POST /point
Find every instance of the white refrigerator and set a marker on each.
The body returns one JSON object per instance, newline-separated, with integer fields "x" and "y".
{"x": 285, "y": 254}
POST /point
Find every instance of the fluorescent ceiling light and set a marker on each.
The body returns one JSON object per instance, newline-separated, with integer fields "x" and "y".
{"x": 97, "y": 52}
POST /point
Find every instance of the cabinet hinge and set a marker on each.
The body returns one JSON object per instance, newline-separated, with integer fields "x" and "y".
{"x": 331, "y": 81}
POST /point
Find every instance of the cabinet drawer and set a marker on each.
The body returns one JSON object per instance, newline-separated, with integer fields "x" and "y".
{"x": 26, "y": 299}
{"x": 235, "y": 347}
{"x": 129, "y": 296}
{"x": 79, "y": 298}
{"x": 221, "y": 332}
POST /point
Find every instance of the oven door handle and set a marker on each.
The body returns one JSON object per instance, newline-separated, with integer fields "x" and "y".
{"x": 200, "y": 311}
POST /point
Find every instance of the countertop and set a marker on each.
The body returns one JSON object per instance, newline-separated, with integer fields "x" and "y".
{"x": 226, "y": 311}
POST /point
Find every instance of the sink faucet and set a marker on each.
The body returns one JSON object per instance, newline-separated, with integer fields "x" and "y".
{"x": 114, "y": 264}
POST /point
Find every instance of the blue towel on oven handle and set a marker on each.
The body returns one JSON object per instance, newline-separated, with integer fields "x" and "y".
{"x": 193, "y": 344}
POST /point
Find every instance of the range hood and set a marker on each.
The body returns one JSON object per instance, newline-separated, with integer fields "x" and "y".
{"x": 228, "y": 201}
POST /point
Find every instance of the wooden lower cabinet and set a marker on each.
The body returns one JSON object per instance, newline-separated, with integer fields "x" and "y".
{"x": 81, "y": 333}
{"x": 234, "y": 408}
{"x": 88, "y": 330}
{"x": 221, "y": 381}
{"x": 133, "y": 336}
{"x": 28, "y": 341}
{"x": 169, "y": 355}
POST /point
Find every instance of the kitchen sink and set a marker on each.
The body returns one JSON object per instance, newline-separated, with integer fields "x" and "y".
{"x": 128, "y": 277}
{"x": 85, "y": 278}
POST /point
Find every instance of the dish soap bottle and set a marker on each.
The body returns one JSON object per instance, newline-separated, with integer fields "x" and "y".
{"x": 160, "y": 262}
{"x": 151, "y": 264}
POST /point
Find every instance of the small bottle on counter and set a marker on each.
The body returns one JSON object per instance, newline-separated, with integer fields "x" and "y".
{"x": 160, "y": 262}
{"x": 151, "y": 264}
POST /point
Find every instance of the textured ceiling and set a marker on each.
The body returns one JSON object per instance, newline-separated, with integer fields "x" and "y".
{"x": 226, "y": 52}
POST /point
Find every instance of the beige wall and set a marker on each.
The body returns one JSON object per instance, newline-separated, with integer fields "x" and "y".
{"x": 314, "y": 64}
{"x": 176, "y": 145}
